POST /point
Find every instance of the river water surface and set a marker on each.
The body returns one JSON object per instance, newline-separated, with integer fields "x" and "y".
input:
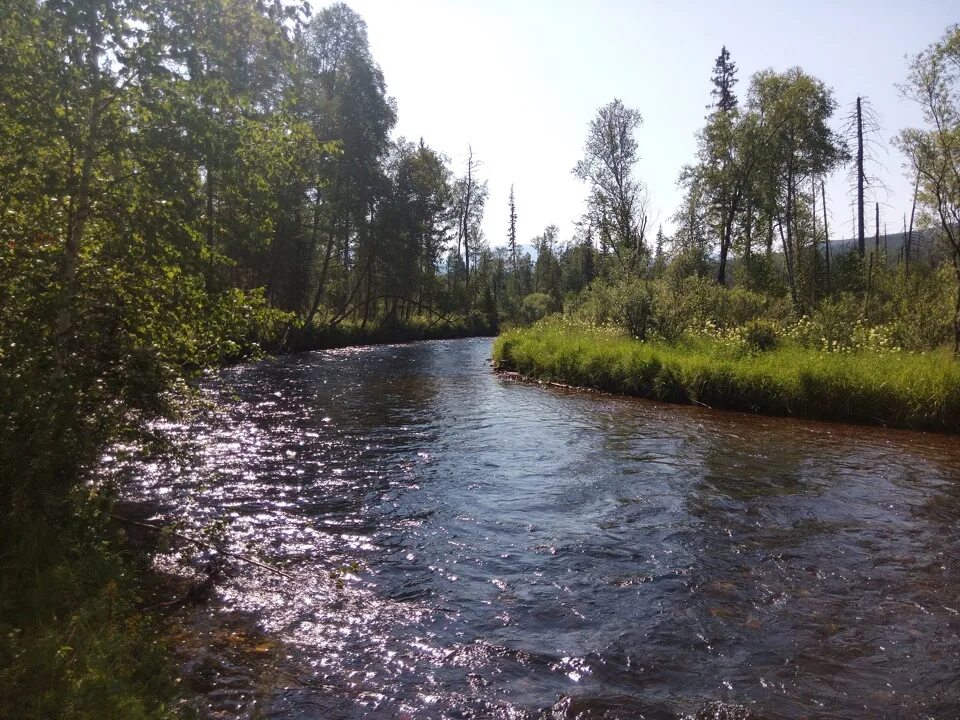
{"x": 464, "y": 545}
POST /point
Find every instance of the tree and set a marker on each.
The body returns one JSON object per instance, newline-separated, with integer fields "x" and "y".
{"x": 547, "y": 272}
{"x": 691, "y": 249}
{"x": 724, "y": 78}
{"x": 794, "y": 109}
{"x": 616, "y": 203}
{"x": 934, "y": 151}
{"x": 862, "y": 129}
{"x": 347, "y": 101}
{"x": 469, "y": 200}
{"x": 512, "y": 232}
{"x": 413, "y": 223}
{"x": 725, "y": 163}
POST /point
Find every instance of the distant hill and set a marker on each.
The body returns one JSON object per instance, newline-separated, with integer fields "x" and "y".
{"x": 923, "y": 248}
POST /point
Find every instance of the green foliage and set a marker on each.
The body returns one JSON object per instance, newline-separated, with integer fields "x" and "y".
{"x": 537, "y": 306}
{"x": 934, "y": 151}
{"x": 74, "y": 643}
{"x": 761, "y": 335}
{"x": 909, "y": 310}
{"x": 194, "y": 182}
{"x": 669, "y": 310}
{"x": 615, "y": 203}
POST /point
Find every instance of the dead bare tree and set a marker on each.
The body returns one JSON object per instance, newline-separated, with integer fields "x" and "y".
{"x": 863, "y": 128}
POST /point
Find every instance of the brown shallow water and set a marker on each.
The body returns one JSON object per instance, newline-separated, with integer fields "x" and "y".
{"x": 463, "y": 545}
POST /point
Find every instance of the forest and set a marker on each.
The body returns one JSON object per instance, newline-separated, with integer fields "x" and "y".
{"x": 189, "y": 183}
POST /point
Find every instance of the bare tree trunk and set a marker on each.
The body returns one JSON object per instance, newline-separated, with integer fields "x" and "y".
{"x": 877, "y": 229}
{"x": 466, "y": 221}
{"x": 861, "y": 245}
{"x": 826, "y": 231}
{"x": 366, "y": 302}
{"x": 913, "y": 210}
{"x": 726, "y": 238}
{"x": 315, "y": 305}
{"x": 788, "y": 259}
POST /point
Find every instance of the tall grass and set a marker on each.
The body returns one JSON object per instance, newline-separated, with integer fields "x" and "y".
{"x": 908, "y": 390}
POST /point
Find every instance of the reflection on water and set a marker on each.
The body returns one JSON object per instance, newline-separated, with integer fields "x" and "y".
{"x": 467, "y": 546}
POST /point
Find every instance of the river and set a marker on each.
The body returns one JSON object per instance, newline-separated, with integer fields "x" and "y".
{"x": 460, "y": 544}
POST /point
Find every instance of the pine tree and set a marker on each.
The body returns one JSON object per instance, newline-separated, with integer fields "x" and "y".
{"x": 724, "y": 78}
{"x": 658, "y": 252}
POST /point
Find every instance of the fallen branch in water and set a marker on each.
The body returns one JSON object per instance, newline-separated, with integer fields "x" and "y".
{"x": 203, "y": 544}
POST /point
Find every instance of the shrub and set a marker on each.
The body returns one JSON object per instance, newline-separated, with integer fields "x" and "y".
{"x": 634, "y": 308}
{"x": 537, "y": 306}
{"x": 760, "y": 335}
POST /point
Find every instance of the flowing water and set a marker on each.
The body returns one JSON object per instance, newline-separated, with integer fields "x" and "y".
{"x": 460, "y": 544}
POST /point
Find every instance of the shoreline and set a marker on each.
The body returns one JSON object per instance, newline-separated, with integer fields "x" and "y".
{"x": 353, "y": 336}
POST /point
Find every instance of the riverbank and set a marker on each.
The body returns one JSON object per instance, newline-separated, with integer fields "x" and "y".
{"x": 350, "y": 333}
{"x": 78, "y": 637}
{"x": 903, "y": 390}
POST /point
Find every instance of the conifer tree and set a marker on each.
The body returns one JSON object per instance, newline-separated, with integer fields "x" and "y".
{"x": 724, "y": 78}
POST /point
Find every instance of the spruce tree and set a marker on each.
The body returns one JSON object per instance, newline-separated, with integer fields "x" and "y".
{"x": 724, "y": 78}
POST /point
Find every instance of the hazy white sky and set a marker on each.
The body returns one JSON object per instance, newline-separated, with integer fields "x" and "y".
{"x": 521, "y": 80}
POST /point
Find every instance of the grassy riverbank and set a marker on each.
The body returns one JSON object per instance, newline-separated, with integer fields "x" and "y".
{"x": 898, "y": 389}
{"x": 349, "y": 333}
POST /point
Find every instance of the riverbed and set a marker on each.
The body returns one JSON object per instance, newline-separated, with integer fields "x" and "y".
{"x": 456, "y": 543}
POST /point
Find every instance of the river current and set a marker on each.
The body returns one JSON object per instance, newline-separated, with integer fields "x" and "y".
{"x": 459, "y": 544}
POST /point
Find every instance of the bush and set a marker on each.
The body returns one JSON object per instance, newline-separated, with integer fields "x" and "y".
{"x": 634, "y": 308}
{"x": 760, "y": 335}
{"x": 830, "y": 327}
{"x": 670, "y": 310}
{"x": 537, "y": 306}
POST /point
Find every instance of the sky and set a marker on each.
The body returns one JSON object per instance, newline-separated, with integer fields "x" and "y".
{"x": 520, "y": 80}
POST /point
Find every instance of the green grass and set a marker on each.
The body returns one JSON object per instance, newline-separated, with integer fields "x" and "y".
{"x": 896, "y": 389}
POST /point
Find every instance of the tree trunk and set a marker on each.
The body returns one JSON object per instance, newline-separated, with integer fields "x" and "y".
{"x": 877, "y": 229}
{"x": 788, "y": 248}
{"x": 726, "y": 239}
{"x": 209, "y": 206}
{"x": 861, "y": 244}
{"x": 466, "y": 223}
{"x": 826, "y": 230}
{"x": 80, "y": 204}
{"x": 315, "y": 305}
{"x": 813, "y": 240}
{"x": 913, "y": 209}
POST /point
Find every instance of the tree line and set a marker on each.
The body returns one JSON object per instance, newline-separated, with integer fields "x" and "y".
{"x": 754, "y": 212}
